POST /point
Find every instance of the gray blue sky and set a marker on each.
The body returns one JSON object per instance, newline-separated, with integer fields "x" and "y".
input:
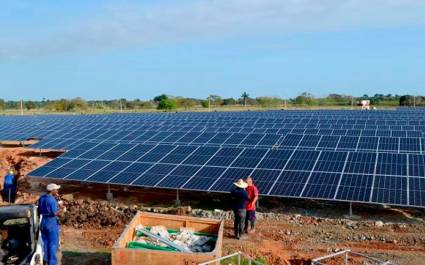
{"x": 103, "y": 49}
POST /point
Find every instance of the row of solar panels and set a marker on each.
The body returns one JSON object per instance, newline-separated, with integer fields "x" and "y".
{"x": 316, "y": 142}
{"x": 350, "y": 176}
{"x": 116, "y": 134}
{"x": 396, "y": 131}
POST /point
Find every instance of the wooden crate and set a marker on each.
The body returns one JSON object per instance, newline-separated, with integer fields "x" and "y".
{"x": 125, "y": 256}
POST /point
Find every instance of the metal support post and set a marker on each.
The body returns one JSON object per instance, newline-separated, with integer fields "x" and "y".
{"x": 177, "y": 201}
{"x": 351, "y": 209}
{"x": 109, "y": 195}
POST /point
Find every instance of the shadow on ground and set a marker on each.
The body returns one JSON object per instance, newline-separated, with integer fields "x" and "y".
{"x": 85, "y": 258}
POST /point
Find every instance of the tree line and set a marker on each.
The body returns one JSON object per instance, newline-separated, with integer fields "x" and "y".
{"x": 167, "y": 102}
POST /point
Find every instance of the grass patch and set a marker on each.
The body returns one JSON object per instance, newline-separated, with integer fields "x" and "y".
{"x": 85, "y": 258}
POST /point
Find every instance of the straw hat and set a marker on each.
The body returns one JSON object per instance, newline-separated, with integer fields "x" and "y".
{"x": 241, "y": 184}
{"x": 52, "y": 186}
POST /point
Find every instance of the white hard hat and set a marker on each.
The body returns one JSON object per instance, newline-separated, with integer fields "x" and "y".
{"x": 53, "y": 186}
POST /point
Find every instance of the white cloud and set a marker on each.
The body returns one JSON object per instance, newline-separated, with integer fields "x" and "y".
{"x": 129, "y": 24}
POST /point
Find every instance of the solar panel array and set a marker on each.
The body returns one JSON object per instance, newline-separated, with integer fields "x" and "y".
{"x": 373, "y": 157}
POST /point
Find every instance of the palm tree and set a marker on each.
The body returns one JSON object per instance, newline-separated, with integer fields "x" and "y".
{"x": 244, "y": 97}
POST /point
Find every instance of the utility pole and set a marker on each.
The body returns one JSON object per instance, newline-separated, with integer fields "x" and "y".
{"x": 209, "y": 103}
{"x": 352, "y": 103}
{"x": 22, "y": 107}
{"x": 414, "y": 101}
{"x": 120, "y": 105}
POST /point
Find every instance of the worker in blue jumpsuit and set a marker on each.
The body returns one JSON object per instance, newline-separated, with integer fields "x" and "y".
{"x": 48, "y": 208}
{"x": 9, "y": 187}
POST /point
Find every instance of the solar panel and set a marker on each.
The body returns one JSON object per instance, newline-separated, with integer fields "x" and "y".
{"x": 354, "y": 187}
{"x": 374, "y": 157}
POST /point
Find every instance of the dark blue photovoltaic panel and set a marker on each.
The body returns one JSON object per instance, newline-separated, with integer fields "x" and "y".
{"x": 328, "y": 142}
{"x": 368, "y": 143}
{"x": 362, "y": 163}
{"x": 291, "y": 140}
{"x": 264, "y": 179}
{"x": 269, "y": 140}
{"x": 355, "y": 187}
{"x": 73, "y": 153}
{"x": 417, "y": 191}
{"x": 330, "y": 161}
{"x": 388, "y": 144}
{"x": 390, "y": 190}
{"x": 135, "y": 153}
{"x": 252, "y": 139}
{"x": 76, "y": 163}
{"x": 348, "y": 142}
{"x": 108, "y": 172}
{"x": 290, "y": 183}
{"x": 225, "y": 156}
{"x": 410, "y": 145}
{"x": 236, "y": 139}
{"x": 392, "y": 164}
{"x": 322, "y": 185}
{"x": 179, "y": 154}
{"x": 204, "y": 178}
{"x": 369, "y": 133}
{"x": 302, "y": 160}
{"x": 383, "y": 133}
{"x": 42, "y": 171}
{"x": 201, "y": 155}
{"x": 225, "y": 183}
{"x": 417, "y": 165}
{"x": 204, "y": 137}
{"x": 188, "y": 138}
{"x": 219, "y": 138}
{"x": 154, "y": 175}
{"x": 131, "y": 173}
{"x": 103, "y": 147}
{"x": 179, "y": 176}
{"x": 310, "y": 141}
{"x": 249, "y": 158}
{"x": 151, "y": 157}
{"x": 275, "y": 159}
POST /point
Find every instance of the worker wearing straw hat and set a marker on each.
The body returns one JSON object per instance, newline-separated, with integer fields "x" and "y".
{"x": 239, "y": 199}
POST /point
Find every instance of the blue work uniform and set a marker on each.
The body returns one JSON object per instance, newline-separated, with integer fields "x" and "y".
{"x": 48, "y": 208}
{"x": 9, "y": 188}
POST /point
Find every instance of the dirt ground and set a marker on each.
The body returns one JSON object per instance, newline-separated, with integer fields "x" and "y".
{"x": 289, "y": 231}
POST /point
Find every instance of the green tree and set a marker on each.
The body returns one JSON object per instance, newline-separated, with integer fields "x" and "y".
{"x": 29, "y": 105}
{"x": 77, "y": 104}
{"x": 159, "y": 98}
{"x": 215, "y": 100}
{"x": 244, "y": 97}
{"x": 305, "y": 99}
{"x": 186, "y": 103}
{"x": 167, "y": 104}
{"x": 268, "y": 102}
{"x": 2, "y": 104}
{"x": 229, "y": 101}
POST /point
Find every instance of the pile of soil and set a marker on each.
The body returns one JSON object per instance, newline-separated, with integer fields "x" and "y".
{"x": 22, "y": 162}
{"x": 95, "y": 214}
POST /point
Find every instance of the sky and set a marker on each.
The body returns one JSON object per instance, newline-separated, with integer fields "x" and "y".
{"x": 102, "y": 49}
